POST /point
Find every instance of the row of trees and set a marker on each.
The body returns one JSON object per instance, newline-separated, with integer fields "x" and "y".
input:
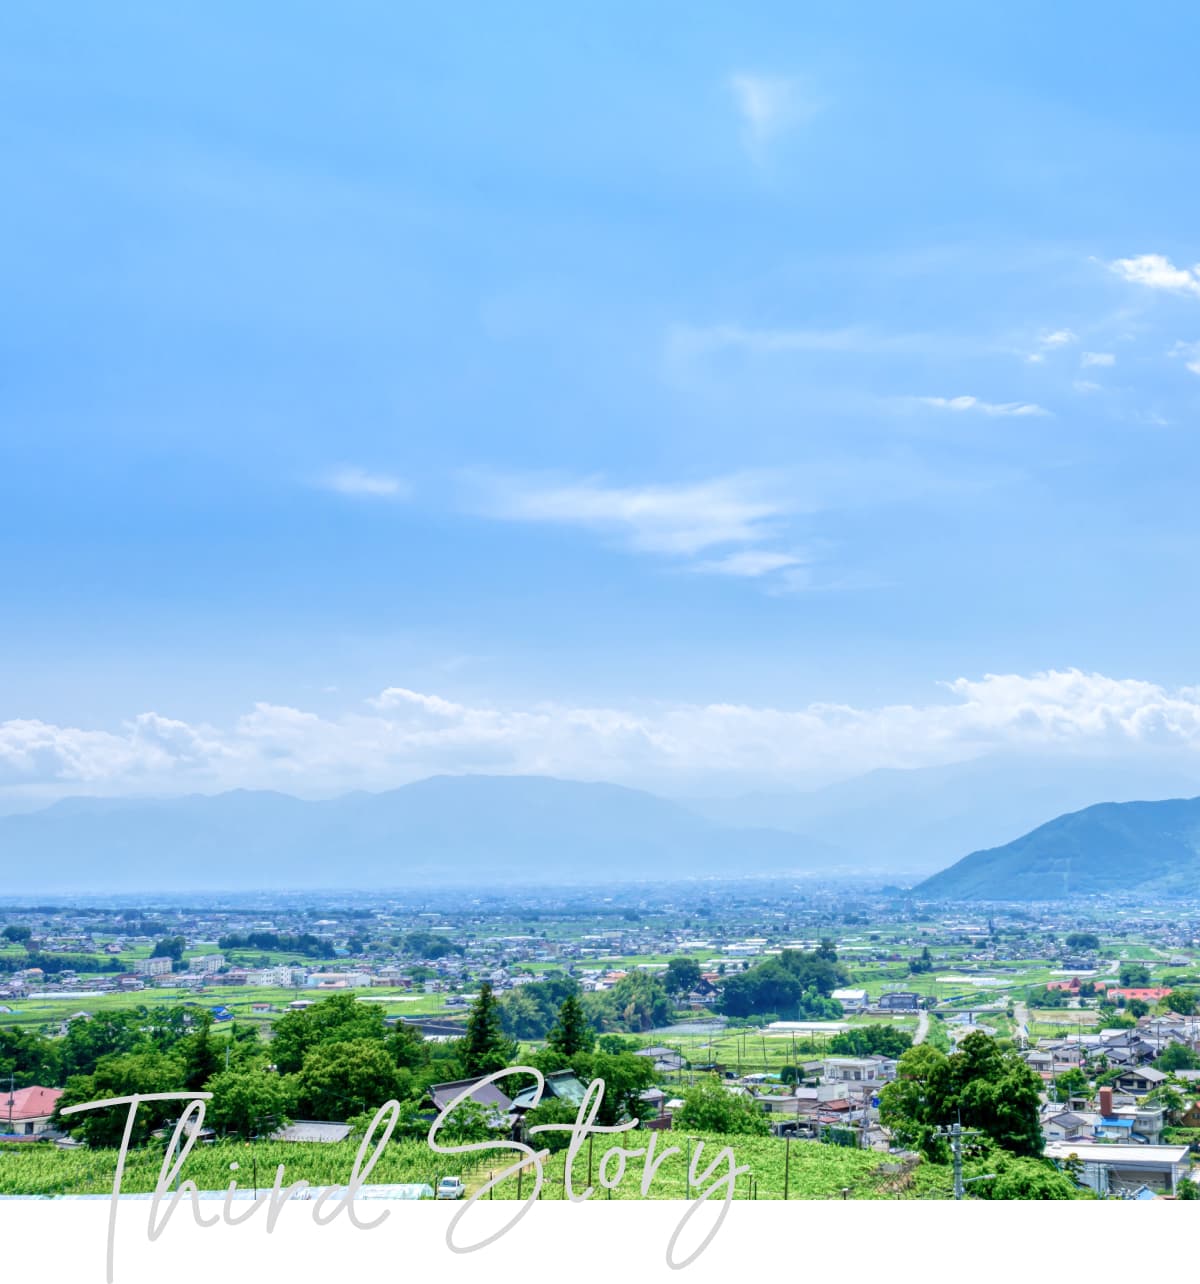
{"x": 335, "y": 1060}
{"x": 302, "y": 943}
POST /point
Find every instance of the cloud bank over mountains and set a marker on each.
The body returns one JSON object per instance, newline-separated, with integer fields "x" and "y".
{"x": 400, "y": 735}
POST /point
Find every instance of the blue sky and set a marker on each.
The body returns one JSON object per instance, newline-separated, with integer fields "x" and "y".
{"x": 654, "y": 394}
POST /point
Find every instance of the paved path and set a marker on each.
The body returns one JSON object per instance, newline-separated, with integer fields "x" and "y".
{"x": 922, "y": 1027}
{"x": 1021, "y": 1015}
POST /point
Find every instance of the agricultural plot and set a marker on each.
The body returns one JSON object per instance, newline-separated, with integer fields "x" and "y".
{"x": 806, "y": 1170}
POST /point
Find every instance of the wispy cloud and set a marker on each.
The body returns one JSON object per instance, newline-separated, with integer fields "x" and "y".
{"x": 1190, "y": 352}
{"x": 769, "y": 106}
{"x": 687, "y": 345}
{"x": 359, "y": 482}
{"x": 679, "y": 519}
{"x": 1158, "y": 273}
{"x": 1097, "y": 359}
{"x": 1050, "y": 340}
{"x": 1086, "y": 387}
{"x": 750, "y": 564}
{"x": 1019, "y": 409}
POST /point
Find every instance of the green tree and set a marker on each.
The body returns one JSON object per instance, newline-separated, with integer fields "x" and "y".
{"x": 1177, "y": 1056}
{"x": 346, "y": 1077}
{"x": 18, "y": 933}
{"x": 1181, "y": 1001}
{"x": 28, "y": 1058}
{"x": 626, "y": 1076}
{"x": 1134, "y": 974}
{"x": 711, "y": 1107}
{"x": 250, "y": 1101}
{"x": 795, "y": 983}
{"x": 1023, "y": 1177}
{"x": 485, "y": 1047}
{"x": 521, "y": 1016}
{"x": 987, "y": 1086}
{"x": 1071, "y": 1083}
{"x": 89, "y": 1039}
{"x": 1169, "y": 1098}
{"x": 682, "y": 976}
{"x": 871, "y": 1041}
{"x": 641, "y": 1001}
{"x": 200, "y": 1058}
{"x": 615, "y": 1043}
{"x": 339, "y": 1018}
{"x": 170, "y": 947}
{"x": 553, "y": 1110}
{"x": 406, "y": 1045}
{"x": 121, "y": 1075}
{"x": 910, "y": 1106}
{"x": 571, "y": 1033}
{"x": 1087, "y": 941}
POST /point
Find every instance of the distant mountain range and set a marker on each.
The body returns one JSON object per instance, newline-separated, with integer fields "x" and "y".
{"x": 1148, "y": 847}
{"x": 913, "y": 822}
{"x": 488, "y": 830}
{"x": 444, "y": 830}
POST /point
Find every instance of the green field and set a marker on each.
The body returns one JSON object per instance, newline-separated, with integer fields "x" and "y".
{"x": 813, "y": 1170}
{"x": 35, "y": 1012}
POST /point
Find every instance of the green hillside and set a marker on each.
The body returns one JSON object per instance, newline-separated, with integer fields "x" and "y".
{"x": 1111, "y": 847}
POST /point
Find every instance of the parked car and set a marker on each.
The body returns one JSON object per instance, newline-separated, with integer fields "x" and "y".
{"x": 451, "y": 1188}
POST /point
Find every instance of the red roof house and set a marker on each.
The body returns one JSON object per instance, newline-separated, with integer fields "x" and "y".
{"x": 26, "y": 1112}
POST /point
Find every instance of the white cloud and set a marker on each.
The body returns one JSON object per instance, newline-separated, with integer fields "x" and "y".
{"x": 403, "y": 734}
{"x": 769, "y": 106}
{"x": 1097, "y": 359}
{"x": 1048, "y": 341}
{"x": 675, "y": 519}
{"x": 751, "y": 564}
{"x": 1158, "y": 273}
{"x": 1190, "y": 352}
{"x": 689, "y": 341}
{"x": 1086, "y": 386}
{"x": 1020, "y": 409}
{"x": 359, "y": 482}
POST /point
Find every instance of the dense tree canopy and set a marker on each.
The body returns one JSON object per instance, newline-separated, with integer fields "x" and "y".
{"x": 346, "y": 1077}
{"x": 122, "y": 1074}
{"x": 250, "y": 1101}
{"x": 335, "y": 1019}
{"x": 528, "y": 1011}
{"x": 28, "y": 1058}
{"x": 1134, "y": 974}
{"x": 711, "y": 1107}
{"x": 983, "y": 1084}
{"x": 794, "y": 984}
{"x": 638, "y": 1002}
{"x": 1087, "y": 941}
{"x": 871, "y": 1041}
{"x": 682, "y": 976}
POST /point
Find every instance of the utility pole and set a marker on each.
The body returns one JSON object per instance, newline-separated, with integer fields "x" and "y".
{"x": 12, "y": 1079}
{"x": 956, "y": 1133}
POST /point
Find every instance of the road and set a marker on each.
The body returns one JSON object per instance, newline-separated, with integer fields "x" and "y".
{"x": 922, "y": 1027}
{"x": 1021, "y": 1016}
